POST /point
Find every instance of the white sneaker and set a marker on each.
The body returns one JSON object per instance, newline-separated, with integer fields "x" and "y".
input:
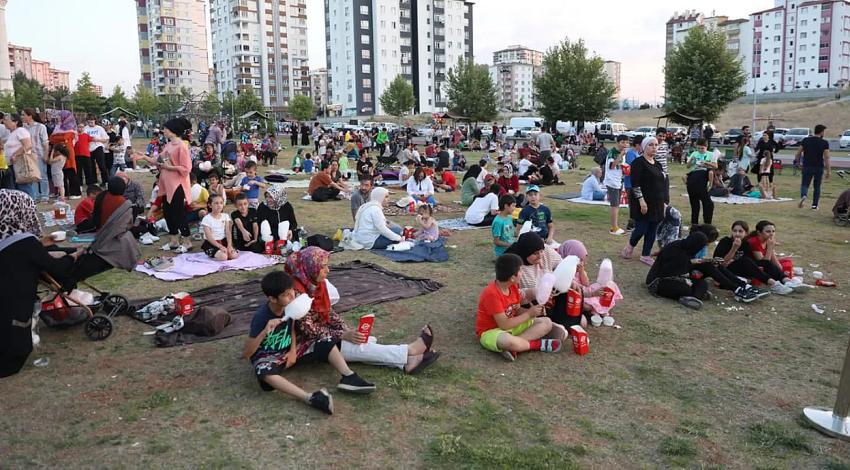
{"x": 74, "y": 198}
{"x": 145, "y": 239}
{"x": 152, "y": 237}
{"x": 166, "y": 247}
{"x": 781, "y": 289}
{"x": 619, "y": 231}
{"x": 794, "y": 282}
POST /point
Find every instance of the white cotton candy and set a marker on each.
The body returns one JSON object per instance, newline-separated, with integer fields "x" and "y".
{"x": 283, "y": 230}
{"x": 333, "y": 293}
{"x": 266, "y": 231}
{"x": 606, "y": 273}
{"x": 298, "y": 308}
{"x": 544, "y": 288}
{"x": 526, "y": 227}
{"x": 565, "y": 272}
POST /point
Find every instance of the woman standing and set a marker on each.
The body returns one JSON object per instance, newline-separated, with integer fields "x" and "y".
{"x": 744, "y": 152}
{"x": 647, "y": 206}
{"x": 38, "y": 134}
{"x": 174, "y": 165}
{"x": 699, "y": 164}
{"x": 65, "y": 133}
{"x": 17, "y": 144}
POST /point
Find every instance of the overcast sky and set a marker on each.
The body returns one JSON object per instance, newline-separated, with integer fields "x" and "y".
{"x": 99, "y": 36}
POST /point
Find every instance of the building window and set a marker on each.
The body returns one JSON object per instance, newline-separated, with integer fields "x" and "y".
{"x": 366, "y": 54}
{"x": 364, "y": 9}
{"x": 366, "y": 68}
{"x": 364, "y": 24}
{"x": 364, "y": 39}
{"x": 823, "y": 70}
{"x": 367, "y": 97}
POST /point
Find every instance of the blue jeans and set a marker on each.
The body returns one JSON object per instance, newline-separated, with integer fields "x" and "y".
{"x": 646, "y": 230}
{"x": 811, "y": 173}
{"x": 382, "y": 242}
{"x": 43, "y": 184}
{"x": 599, "y": 195}
{"x": 116, "y": 167}
{"x": 29, "y": 188}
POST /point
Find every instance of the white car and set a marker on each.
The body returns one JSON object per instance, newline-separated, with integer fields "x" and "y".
{"x": 844, "y": 142}
{"x": 644, "y": 131}
{"x": 795, "y": 136}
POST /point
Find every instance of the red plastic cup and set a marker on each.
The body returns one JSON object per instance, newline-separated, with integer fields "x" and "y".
{"x": 573, "y": 303}
{"x": 365, "y": 325}
{"x": 607, "y": 297}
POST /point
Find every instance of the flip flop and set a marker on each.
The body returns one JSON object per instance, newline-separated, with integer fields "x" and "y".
{"x": 427, "y": 359}
{"x": 427, "y": 339}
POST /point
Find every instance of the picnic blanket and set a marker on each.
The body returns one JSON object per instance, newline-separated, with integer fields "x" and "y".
{"x": 732, "y": 199}
{"x": 578, "y": 200}
{"x": 394, "y": 210}
{"x": 358, "y": 284}
{"x": 189, "y": 265}
{"x": 457, "y": 224}
{"x": 433, "y": 252}
{"x": 565, "y": 196}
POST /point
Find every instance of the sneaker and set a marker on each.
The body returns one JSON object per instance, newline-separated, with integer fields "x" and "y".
{"x": 509, "y": 356}
{"x": 742, "y": 294}
{"x": 166, "y": 247}
{"x": 757, "y": 292}
{"x": 145, "y": 239}
{"x": 692, "y": 303}
{"x": 322, "y": 400}
{"x": 616, "y": 231}
{"x": 354, "y": 384}
{"x": 814, "y": 208}
{"x": 794, "y": 282}
{"x": 802, "y": 201}
{"x": 74, "y": 198}
{"x": 550, "y": 345}
{"x": 781, "y": 289}
{"x": 627, "y": 252}
{"x": 647, "y": 260}
{"x": 183, "y": 249}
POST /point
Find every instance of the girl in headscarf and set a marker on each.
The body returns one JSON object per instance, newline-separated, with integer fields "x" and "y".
{"x": 20, "y": 247}
{"x": 469, "y": 185}
{"x": 276, "y": 209}
{"x": 537, "y": 259}
{"x": 309, "y": 270}
{"x": 591, "y": 292}
{"x": 65, "y": 133}
{"x": 371, "y": 228}
{"x": 670, "y": 275}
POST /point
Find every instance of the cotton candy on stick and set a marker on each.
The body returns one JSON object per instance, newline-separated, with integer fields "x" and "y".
{"x": 266, "y": 231}
{"x": 606, "y": 273}
{"x": 544, "y": 288}
{"x": 298, "y": 308}
{"x": 283, "y": 230}
{"x": 565, "y": 272}
{"x": 526, "y": 227}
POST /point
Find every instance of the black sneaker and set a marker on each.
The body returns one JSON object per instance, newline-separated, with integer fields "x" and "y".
{"x": 759, "y": 293}
{"x": 354, "y": 384}
{"x": 742, "y": 294}
{"x": 692, "y": 303}
{"x": 322, "y": 400}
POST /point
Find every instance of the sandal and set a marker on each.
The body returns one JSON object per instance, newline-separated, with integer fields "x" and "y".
{"x": 427, "y": 359}
{"x": 427, "y": 339}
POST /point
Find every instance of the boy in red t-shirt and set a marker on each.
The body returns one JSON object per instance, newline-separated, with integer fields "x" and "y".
{"x": 85, "y": 209}
{"x": 447, "y": 181}
{"x": 502, "y": 325}
{"x": 83, "y": 156}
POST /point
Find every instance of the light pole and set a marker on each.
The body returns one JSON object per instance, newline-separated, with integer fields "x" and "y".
{"x": 755, "y": 98}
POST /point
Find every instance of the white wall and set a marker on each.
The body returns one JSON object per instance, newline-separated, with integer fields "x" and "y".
{"x": 341, "y": 66}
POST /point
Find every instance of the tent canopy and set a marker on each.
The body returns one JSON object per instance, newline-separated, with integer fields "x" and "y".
{"x": 119, "y": 110}
{"x": 680, "y": 118}
{"x": 453, "y": 117}
{"x": 251, "y": 114}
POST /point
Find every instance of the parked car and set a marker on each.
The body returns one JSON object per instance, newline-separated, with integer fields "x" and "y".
{"x": 795, "y": 136}
{"x": 524, "y": 127}
{"x": 425, "y": 131}
{"x": 643, "y": 131}
{"x": 844, "y": 142}
{"x": 733, "y": 136}
{"x": 610, "y": 130}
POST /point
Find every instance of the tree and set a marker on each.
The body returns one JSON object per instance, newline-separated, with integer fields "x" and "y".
{"x": 211, "y": 107}
{"x": 398, "y": 98}
{"x": 301, "y": 108}
{"x": 168, "y": 105}
{"x": 7, "y": 102}
{"x": 246, "y": 102}
{"x": 573, "y": 86}
{"x": 228, "y": 103}
{"x": 85, "y": 98}
{"x": 144, "y": 101}
{"x": 701, "y": 76}
{"x": 118, "y": 99}
{"x": 29, "y": 93}
{"x": 471, "y": 92}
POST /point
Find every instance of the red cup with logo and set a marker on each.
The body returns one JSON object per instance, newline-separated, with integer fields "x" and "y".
{"x": 573, "y": 303}
{"x": 607, "y": 297}
{"x": 581, "y": 343}
{"x": 627, "y": 169}
{"x": 184, "y": 304}
{"x": 280, "y": 248}
{"x": 269, "y": 249}
{"x": 409, "y": 233}
{"x": 787, "y": 267}
{"x": 365, "y": 325}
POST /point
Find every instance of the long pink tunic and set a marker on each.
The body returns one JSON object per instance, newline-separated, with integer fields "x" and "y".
{"x": 170, "y": 180}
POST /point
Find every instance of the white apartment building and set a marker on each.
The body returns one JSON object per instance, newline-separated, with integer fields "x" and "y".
{"x": 370, "y": 42}
{"x": 260, "y": 45}
{"x": 319, "y": 88}
{"x": 613, "y": 70}
{"x": 679, "y": 25}
{"x": 173, "y": 46}
{"x": 513, "y": 72}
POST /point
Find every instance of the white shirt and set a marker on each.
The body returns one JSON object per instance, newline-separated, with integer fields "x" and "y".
{"x": 591, "y": 184}
{"x": 96, "y": 132}
{"x": 545, "y": 141}
{"x": 523, "y": 166}
{"x": 13, "y": 142}
{"x": 480, "y": 208}
{"x": 125, "y": 134}
{"x": 217, "y": 226}
{"x": 422, "y": 188}
{"x": 481, "y": 177}
{"x": 371, "y": 224}
{"x": 613, "y": 176}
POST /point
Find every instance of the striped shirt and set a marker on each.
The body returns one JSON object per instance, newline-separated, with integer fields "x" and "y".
{"x": 661, "y": 156}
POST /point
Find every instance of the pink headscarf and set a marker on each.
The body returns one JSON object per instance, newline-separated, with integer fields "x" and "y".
{"x": 67, "y": 122}
{"x": 572, "y": 248}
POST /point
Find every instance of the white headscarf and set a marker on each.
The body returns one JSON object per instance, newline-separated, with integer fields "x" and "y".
{"x": 376, "y": 199}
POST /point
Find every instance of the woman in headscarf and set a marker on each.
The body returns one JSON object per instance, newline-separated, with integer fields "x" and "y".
{"x": 647, "y": 205}
{"x": 537, "y": 259}
{"x": 174, "y": 165}
{"x": 276, "y": 209}
{"x": 469, "y": 185}
{"x": 371, "y": 228}
{"x": 20, "y": 247}
{"x": 670, "y": 275}
{"x": 592, "y": 292}
{"x": 309, "y": 270}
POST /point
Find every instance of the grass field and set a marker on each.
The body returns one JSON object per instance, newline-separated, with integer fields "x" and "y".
{"x": 717, "y": 388}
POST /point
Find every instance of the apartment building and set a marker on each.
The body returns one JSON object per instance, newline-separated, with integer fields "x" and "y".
{"x": 261, "y": 45}
{"x": 513, "y": 72}
{"x": 173, "y": 46}
{"x": 58, "y": 79}
{"x": 319, "y": 88}
{"x": 370, "y": 42}
{"x": 613, "y": 70}
{"x": 20, "y": 60}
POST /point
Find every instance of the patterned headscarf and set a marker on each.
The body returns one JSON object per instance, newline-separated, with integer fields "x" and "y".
{"x": 275, "y": 196}
{"x": 17, "y": 214}
{"x": 67, "y": 122}
{"x": 572, "y": 248}
{"x": 305, "y": 266}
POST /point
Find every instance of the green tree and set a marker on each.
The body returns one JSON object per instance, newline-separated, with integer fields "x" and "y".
{"x": 7, "y": 102}
{"x": 118, "y": 99}
{"x": 398, "y": 98}
{"x": 185, "y": 95}
{"x": 211, "y": 107}
{"x": 85, "y": 98}
{"x": 701, "y": 76}
{"x": 301, "y": 108}
{"x": 471, "y": 92}
{"x": 29, "y": 93}
{"x": 144, "y": 101}
{"x": 247, "y": 101}
{"x": 573, "y": 86}
{"x": 228, "y": 103}
{"x": 168, "y": 105}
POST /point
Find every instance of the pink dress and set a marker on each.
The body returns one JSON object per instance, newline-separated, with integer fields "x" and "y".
{"x": 170, "y": 180}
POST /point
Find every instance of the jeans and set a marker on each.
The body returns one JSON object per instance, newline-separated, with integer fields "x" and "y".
{"x": 43, "y": 184}
{"x": 811, "y": 173}
{"x": 644, "y": 229}
{"x": 116, "y": 167}
{"x": 29, "y": 188}
{"x": 382, "y": 242}
{"x": 599, "y": 195}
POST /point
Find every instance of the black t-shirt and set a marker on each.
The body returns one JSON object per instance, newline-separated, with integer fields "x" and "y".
{"x": 725, "y": 244}
{"x": 275, "y": 217}
{"x": 813, "y": 149}
{"x": 248, "y": 222}
{"x": 443, "y": 159}
{"x": 364, "y": 169}
{"x": 278, "y": 341}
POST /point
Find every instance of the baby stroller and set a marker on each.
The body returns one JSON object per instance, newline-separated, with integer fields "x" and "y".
{"x": 386, "y": 161}
{"x": 114, "y": 246}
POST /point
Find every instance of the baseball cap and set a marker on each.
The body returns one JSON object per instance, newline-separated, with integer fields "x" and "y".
{"x": 532, "y": 187}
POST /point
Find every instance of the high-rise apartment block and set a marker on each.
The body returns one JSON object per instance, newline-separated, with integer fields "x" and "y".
{"x": 20, "y": 60}
{"x": 173, "y": 45}
{"x": 370, "y": 42}
{"x": 261, "y": 45}
{"x": 319, "y": 88}
{"x": 613, "y": 70}
{"x": 513, "y": 72}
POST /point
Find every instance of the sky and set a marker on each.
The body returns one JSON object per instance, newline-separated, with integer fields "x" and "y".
{"x": 633, "y": 36}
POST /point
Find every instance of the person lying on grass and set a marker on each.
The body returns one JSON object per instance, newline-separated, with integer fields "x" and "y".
{"x": 309, "y": 269}
{"x": 502, "y": 325}
{"x": 272, "y": 348}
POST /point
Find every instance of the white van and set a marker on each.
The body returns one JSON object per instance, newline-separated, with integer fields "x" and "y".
{"x": 524, "y": 127}
{"x": 610, "y": 130}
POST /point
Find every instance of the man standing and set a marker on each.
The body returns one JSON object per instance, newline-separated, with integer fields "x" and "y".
{"x": 215, "y": 136}
{"x": 815, "y": 153}
{"x": 545, "y": 142}
{"x": 99, "y": 137}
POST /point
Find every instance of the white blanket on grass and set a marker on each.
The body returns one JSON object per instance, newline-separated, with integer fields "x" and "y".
{"x": 457, "y": 224}
{"x": 189, "y": 265}
{"x": 732, "y": 199}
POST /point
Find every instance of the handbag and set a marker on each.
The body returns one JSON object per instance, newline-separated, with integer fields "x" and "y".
{"x": 26, "y": 168}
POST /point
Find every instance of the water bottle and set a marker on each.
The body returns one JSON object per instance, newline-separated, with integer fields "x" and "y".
{"x": 302, "y": 237}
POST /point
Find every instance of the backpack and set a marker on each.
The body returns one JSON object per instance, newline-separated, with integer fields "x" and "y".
{"x": 206, "y": 321}
{"x": 320, "y": 241}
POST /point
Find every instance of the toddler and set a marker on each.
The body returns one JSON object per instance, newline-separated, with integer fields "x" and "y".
{"x": 425, "y": 217}
{"x": 57, "y": 163}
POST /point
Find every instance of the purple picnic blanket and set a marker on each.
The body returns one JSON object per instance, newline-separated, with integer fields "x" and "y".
{"x": 189, "y": 265}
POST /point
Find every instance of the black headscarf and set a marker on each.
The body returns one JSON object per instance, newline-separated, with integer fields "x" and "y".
{"x": 178, "y": 126}
{"x": 117, "y": 186}
{"x": 675, "y": 258}
{"x": 472, "y": 172}
{"x": 526, "y": 245}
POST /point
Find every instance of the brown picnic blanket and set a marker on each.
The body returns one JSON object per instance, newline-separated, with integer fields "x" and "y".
{"x": 358, "y": 283}
{"x": 394, "y": 210}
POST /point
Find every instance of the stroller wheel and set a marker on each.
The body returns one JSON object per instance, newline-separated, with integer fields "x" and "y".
{"x": 99, "y": 327}
{"x": 115, "y": 305}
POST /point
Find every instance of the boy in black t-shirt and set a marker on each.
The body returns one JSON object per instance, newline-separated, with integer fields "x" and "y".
{"x": 246, "y": 227}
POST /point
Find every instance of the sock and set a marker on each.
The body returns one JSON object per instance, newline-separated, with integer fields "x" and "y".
{"x": 535, "y": 345}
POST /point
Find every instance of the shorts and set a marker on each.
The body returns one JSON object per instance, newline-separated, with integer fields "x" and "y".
{"x": 56, "y": 173}
{"x": 769, "y": 176}
{"x": 211, "y": 249}
{"x": 490, "y": 338}
{"x": 614, "y": 195}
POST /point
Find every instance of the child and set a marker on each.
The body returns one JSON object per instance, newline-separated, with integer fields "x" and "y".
{"x": 296, "y": 161}
{"x": 83, "y": 213}
{"x": 613, "y": 182}
{"x": 503, "y": 225}
{"x": 200, "y": 197}
{"x": 343, "y": 165}
{"x": 252, "y": 184}
{"x": 425, "y": 216}
{"x": 56, "y": 161}
{"x": 502, "y": 325}
{"x": 214, "y": 186}
{"x": 765, "y": 178}
{"x": 445, "y": 180}
{"x": 246, "y": 228}
{"x": 539, "y": 215}
{"x": 119, "y": 163}
{"x": 308, "y": 164}
{"x": 405, "y": 171}
{"x": 218, "y": 238}
{"x": 272, "y": 346}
